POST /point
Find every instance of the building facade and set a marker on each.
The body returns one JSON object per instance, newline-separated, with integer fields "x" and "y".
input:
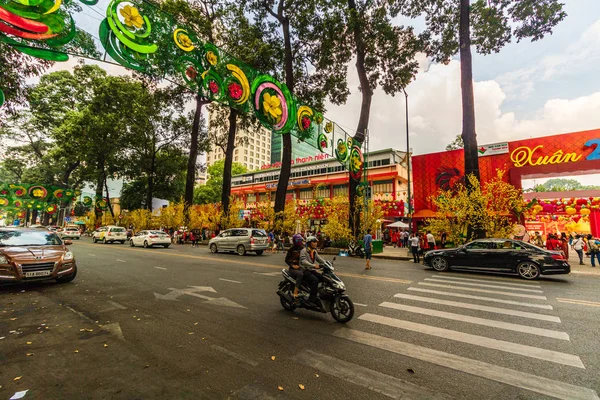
{"x": 299, "y": 149}
{"x": 325, "y": 178}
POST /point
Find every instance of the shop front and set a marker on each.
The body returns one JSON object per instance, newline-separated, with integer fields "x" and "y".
{"x": 553, "y": 156}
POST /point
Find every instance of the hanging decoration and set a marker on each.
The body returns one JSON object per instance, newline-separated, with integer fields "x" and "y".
{"x": 87, "y": 201}
{"x": 342, "y": 152}
{"x": 38, "y": 192}
{"x": 356, "y": 163}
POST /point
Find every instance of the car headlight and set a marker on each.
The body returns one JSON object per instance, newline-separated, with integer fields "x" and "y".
{"x": 68, "y": 256}
{"x": 3, "y": 260}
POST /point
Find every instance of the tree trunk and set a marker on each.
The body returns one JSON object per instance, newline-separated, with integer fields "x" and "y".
{"x": 190, "y": 181}
{"x": 229, "y": 161}
{"x": 286, "y": 155}
{"x": 469, "y": 135}
{"x": 99, "y": 187}
{"x": 67, "y": 174}
{"x": 112, "y": 214}
{"x": 365, "y": 110}
{"x": 150, "y": 189}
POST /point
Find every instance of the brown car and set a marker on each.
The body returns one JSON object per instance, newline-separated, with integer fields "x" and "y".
{"x": 34, "y": 254}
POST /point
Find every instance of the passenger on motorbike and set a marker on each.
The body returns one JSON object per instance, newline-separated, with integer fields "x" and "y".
{"x": 292, "y": 259}
{"x": 310, "y": 261}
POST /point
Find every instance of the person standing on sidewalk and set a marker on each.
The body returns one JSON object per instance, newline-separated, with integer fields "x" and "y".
{"x": 430, "y": 241}
{"x": 414, "y": 246}
{"x": 368, "y": 239}
{"x": 594, "y": 249}
{"x": 578, "y": 247}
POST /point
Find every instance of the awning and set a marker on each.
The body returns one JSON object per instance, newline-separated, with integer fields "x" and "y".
{"x": 398, "y": 224}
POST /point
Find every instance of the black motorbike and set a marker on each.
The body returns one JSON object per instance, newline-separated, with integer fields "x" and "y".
{"x": 330, "y": 295}
{"x": 355, "y": 249}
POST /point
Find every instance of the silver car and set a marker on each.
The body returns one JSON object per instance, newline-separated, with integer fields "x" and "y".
{"x": 70, "y": 233}
{"x": 240, "y": 240}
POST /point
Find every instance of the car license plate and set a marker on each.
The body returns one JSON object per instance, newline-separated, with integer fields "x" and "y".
{"x": 37, "y": 273}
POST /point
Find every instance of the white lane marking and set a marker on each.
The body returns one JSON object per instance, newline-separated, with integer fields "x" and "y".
{"x": 527, "y": 296}
{"x": 484, "y": 285}
{"x": 376, "y": 381}
{"x": 482, "y": 341}
{"x": 161, "y": 268}
{"x": 502, "y": 282}
{"x": 490, "y": 299}
{"x": 360, "y": 304}
{"x": 229, "y": 280}
{"x": 268, "y": 273}
{"x": 478, "y": 321}
{"x": 121, "y": 260}
{"x": 115, "y": 329}
{"x": 497, "y": 310}
{"x": 519, "y": 379}
{"x": 93, "y": 255}
{"x": 232, "y": 354}
{"x": 116, "y": 305}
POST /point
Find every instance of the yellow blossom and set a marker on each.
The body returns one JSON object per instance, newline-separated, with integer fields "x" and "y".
{"x": 132, "y": 17}
{"x": 272, "y": 107}
{"x": 38, "y": 193}
{"x": 184, "y": 40}
{"x": 212, "y": 58}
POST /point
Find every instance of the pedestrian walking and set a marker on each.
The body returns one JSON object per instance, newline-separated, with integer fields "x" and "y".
{"x": 578, "y": 247}
{"x": 414, "y": 247}
{"x": 430, "y": 241}
{"x": 594, "y": 249}
{"x": 368, "y": 240}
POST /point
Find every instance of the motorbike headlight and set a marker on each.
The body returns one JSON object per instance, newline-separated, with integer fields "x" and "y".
{"x": 3, "y": 260}
{"x": 68, "y": 256}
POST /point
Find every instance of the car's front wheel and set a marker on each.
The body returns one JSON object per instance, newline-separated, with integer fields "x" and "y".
{"x": 146, "y": 244}
{"x": 241, "y": 250}
{"x": 131, "y": 243}
{"x": 94, "y": 240}
{"x": 439, "y": 263}
{"x": 213, "y": 248}
{"x": 528, "y": 270}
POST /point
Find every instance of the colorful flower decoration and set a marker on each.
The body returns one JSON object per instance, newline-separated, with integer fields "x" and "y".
{"x": 319, "y": 118}
{"x": 102, "y": 204}
{"x": 4, "y": 202}
{"x": 305, "y": 114}
{"x": 51, "y": 209}
{"x": 322, "y": 142}
{"x": 18, "y": 190}
{"x": 237, "y": 85}
{"x": 189, "y": 69}
{"x": 17, "y": 204}
{"x": 273, "y": 104}
{"x": 211, "y": 54}
{"x": 124, "y": 39}
{"x": 213, "y": 85}
{"x": 87, "y": 201}
{"x": 38, "y": 192}
{"x": 341, "y": 151}
{"x": 4, "y": 193}
{"x": 329, "y": 127}
{"x": 182, "y": 40}
{"x": 59, "y": 194}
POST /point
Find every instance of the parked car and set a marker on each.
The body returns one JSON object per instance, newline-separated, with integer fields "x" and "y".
{"x": 110, "y": 234}
{"x": 500, "y": 255}
{"x": 150, "y": 239}
{"x": 240, "y": 240}
{"x": 70, "y": 232}
{"x": 34, "y": 254}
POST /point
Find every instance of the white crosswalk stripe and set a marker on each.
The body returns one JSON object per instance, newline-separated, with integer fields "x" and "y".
{"x": 490, "y": 299}
{"x": 502, "y": 282}
{"x": 497, "y": 310}
{"x": 484, "y": 285}
{"x": 526, "y": 296}
{"x": 431, "y": 303}
{"x": 479, "y": 321}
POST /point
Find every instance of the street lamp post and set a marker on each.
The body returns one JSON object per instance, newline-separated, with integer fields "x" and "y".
{"x": 408, "y": 163}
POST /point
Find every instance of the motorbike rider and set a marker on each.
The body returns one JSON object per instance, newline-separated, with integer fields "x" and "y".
{"x": 310, "y": 261}
{"x": 292, "y": 259}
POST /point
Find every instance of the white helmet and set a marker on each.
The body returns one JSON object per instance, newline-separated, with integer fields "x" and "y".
{"x": 311, "y": 239}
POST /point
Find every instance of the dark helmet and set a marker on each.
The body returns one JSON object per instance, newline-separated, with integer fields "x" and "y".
{"x": 297, "y": 239}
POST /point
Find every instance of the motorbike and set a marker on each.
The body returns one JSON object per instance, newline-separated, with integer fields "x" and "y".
{"x": 330, "y": 294}
{"x": 355, "y": 249}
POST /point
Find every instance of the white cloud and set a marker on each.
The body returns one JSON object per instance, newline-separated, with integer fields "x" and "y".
{"x": 435, "y": 113}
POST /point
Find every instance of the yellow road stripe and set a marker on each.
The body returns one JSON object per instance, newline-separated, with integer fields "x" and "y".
{"x": 374, "y": 278}
{"x": 579, "y": 302}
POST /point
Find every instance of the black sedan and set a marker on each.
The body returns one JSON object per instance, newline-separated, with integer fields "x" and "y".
{"x": 500, "y": 255}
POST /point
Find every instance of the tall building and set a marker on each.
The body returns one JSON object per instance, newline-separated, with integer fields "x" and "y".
{"x": 299, "y": 149}
{"x": 252, "y": 148}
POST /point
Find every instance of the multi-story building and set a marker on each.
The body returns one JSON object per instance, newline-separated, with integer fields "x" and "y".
{"x": 252, "y": 149}
{"x": 325, "y": 178}
{"x": 299, "y": 149}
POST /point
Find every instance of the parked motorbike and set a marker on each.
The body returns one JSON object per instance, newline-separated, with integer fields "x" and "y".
{"x": 330, "y": 294}
{"x": 355, "y": 249}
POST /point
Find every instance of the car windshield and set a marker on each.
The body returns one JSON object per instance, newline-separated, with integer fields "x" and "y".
{"x": 117, "y": 230}
{"x": 257, "y": 232}
{"x": 28, "y": 238}
{"x": 157, "y": 233}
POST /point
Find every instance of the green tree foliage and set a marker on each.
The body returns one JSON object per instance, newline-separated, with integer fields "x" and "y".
{"x": 562, "y": 185}
{"x": 454, "y": 25}
{"x": 211, "y": 191}
{"x": 456, "y": 144}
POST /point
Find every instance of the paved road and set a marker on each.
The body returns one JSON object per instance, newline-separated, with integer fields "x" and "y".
{"x": 181, "y": 323}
